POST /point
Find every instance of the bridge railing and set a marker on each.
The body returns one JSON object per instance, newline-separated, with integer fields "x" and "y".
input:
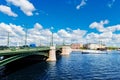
{"x": 25, "y": 50}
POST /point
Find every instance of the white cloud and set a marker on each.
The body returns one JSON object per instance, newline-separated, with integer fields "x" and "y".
{"x": 12, "y": 29}
{"x": 83, "y": 3}
{"x": 79, "y": 32}
{"x": 110, "y": 3}
{"x": 100, "y": 26}
{"x": 24, "y": 5}
{"x": 16, "y": 33}
{"x": 17, "y": 29}
{"x": 77, "y": 35}
{"x": 38, "y": 26}
{"x": 92, "y": 35}
{"x": 5, "y": 27}
{"x": 105, "y": 37}
{"x": 46, "y": 32}
{"x": 116, "y": 38}
{"x": 71, "y": 36}
{"x": 7, "y": 10}
{"x": 63, "y": 33}
{"x": 107, "y": 34}
{"x": 39, "y": 35}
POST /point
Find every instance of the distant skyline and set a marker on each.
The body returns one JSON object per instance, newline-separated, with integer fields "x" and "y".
{"x": 72, "y": 21}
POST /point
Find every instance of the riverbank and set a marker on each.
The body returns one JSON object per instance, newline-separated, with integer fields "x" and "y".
{"x": 77, "y": 50}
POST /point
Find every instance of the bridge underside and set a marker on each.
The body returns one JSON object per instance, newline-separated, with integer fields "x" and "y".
{"x": 20, "y": 56}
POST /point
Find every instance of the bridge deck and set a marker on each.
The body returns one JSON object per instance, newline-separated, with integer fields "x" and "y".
{"x": 19, "y": 51}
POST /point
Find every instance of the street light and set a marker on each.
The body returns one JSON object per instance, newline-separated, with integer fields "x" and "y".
{"x": 63, "y": 42}
{"x": 25, "y": 37}
{"x": 51, "y": 40}
{"x": 8, "y": 40}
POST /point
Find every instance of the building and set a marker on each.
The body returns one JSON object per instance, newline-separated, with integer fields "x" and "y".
{"x": 94, "y": 46}
{"x": 76, "y": 46}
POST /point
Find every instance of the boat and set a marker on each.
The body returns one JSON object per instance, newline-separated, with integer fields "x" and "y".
{"x": 93, "y": 52}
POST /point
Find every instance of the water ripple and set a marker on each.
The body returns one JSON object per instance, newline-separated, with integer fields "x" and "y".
{"x": 76, "y": 66}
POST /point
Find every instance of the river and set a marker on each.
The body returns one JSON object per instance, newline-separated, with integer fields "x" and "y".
{"x": 76, "y": 66}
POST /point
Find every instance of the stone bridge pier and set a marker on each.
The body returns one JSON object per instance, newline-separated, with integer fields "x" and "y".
{"x": 66, "y": 50}
{"x": 52, "y": 54}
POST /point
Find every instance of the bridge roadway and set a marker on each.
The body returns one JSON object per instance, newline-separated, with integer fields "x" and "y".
{"x": 16, "y": 54}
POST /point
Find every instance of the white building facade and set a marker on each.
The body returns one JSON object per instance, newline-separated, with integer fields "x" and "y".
{"x": 95, "y": 46}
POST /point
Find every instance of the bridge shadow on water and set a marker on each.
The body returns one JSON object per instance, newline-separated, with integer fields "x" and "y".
{"x": 26, "y": 62}
{"x": 21, "y": 64}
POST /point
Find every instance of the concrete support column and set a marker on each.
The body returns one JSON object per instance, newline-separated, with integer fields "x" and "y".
{"x": 52, "y": 54}
{"x": 66, "y": 50}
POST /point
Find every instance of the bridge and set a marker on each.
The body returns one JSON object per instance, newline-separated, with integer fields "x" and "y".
{"x": 8, "y": 56}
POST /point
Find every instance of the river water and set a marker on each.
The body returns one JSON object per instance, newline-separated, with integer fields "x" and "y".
{"x": 76, "y": 66}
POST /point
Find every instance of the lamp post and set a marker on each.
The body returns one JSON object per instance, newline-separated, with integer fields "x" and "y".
{"x": 25, "y": 37}
{"x": 63, "y": 42}
{"x": 40, "y": 43}
{"x": 51, "y": 40}
{"x": 8, "y": 39}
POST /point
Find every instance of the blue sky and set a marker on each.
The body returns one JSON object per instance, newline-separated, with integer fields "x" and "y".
{"x": 79, "y": 20}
